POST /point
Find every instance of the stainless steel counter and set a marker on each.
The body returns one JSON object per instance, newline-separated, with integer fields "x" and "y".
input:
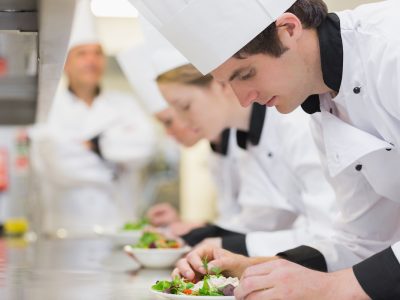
{"x": 72, "y": 269}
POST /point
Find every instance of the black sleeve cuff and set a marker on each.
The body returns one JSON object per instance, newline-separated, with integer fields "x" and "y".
{"x": 307, "y": 257}
{"x": 379, "y": 276}
{"x": 235, "y": 242}
{"x": 96, "y": 145}
{"x": 197, "y": 235}
{"x": 209, "y": 231}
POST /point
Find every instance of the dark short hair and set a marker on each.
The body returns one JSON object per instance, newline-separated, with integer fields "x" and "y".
{"x": 311, "y": 14}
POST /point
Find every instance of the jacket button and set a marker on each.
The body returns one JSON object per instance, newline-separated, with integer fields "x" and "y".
{"x": 270, "y": 154}
{"x": 359, "y": 168}
{"x": 357, "y": 90}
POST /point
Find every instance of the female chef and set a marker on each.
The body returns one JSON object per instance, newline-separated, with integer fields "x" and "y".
{"x": 275, "y": 145}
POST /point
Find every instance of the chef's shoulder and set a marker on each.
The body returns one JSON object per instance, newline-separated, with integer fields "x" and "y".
{"x": 118, "y": 98}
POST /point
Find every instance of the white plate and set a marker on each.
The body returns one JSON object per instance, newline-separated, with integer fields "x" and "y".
{"x": 123, "y": 237}
{"x": 188, "y": 297}
{"x": 156, "y": 258}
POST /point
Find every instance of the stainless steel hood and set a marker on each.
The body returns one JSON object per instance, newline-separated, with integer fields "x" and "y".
{"x": 34, "y": 37}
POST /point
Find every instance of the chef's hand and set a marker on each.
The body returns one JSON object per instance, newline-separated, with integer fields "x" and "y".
{"x": 182, "y": 228}
{"x": 162, "y": 214}
{"x": 281, "y": 279}
{"x": 229, "y": 263}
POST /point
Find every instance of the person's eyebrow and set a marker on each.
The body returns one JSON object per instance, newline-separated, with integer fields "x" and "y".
{"x": 236, "y": 74}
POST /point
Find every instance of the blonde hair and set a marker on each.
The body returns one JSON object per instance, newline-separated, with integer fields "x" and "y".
{"x": 186, "y": 74}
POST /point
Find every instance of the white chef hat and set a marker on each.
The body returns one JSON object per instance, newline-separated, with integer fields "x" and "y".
{"x": 166, "y": 59}
{"x": 209, "y": 32}
{"x": 137, "y": 67}
{"x": 84, "y": 30}
{"x": 163, "y": 55}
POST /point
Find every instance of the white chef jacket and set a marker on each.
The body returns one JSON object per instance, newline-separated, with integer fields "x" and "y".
{"x": 225, "y": 167}
{"x": 358, "y": 136}
{"x": 83, "y": 191}
{"x": 282, "y": 179}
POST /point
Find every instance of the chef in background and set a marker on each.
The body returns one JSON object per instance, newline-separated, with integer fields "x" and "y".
{"x": 140, "y": 71}
{"x": 89, "y": 153}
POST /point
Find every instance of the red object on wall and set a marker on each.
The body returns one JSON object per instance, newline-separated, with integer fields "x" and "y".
{"x": 22, "y": 159}
{"x": 3, "y": 170}
{"x": 3, "y": 66}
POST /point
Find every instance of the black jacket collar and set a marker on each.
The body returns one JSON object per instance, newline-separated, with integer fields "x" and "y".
{"x": 257, "y": 118}
{"x": 331, "y": 49}
{"x": 222, "y": 147}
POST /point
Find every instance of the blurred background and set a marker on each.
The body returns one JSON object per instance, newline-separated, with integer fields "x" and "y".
{"x": 174, "y": 174}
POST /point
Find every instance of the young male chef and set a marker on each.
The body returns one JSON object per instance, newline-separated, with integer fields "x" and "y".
{"x": 343, "y": 68}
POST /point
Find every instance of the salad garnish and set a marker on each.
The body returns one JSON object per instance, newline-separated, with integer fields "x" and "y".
{"x": 211, "y": 285}
{"x": 155, "y": 240}
{"x": 139, "y": 225}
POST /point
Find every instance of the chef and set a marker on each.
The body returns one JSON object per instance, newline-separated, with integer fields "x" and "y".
{"x": 342, "y": 68}
{"x": 273, "y": 144}
{"x": 138, "y": 68}
{"x": 89, "y": 153}
{"x": 141, "y": 64}
{"x": 136, "y": 64}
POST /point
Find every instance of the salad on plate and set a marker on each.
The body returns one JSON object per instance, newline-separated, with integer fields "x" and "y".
{"x": 211, "y": 285}
{"x": 155, "y": 240}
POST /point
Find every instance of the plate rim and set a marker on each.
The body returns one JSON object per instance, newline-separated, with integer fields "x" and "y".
{"x": 130, "y": 249}
{"x": 122, "y": 233}
{"x": 183, "y": 297}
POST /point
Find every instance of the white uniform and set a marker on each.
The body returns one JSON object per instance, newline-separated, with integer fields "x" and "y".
{"x": 357, "y": 132}
{"x": 282, "y": 179}
{"x": 225, "y": 169}
{"x": 359, "y": 140}
{"x": 82, "y": 190}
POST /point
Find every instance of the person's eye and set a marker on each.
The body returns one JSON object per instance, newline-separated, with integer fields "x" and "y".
{"x": 247, "y": 75}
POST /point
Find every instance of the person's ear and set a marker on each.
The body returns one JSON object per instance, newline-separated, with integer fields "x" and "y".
{"x": 289, "y": 28}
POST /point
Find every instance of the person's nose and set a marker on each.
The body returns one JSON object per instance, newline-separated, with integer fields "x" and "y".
{"x": 245, "y": 96}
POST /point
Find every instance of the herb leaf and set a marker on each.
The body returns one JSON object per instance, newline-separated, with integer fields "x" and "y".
{"x": 217, "y": 271}
{"x": 142, "y": 223}
{"x": 205, "y": 290}
{"x": 161, "y": 286}
{"x": 204, "y": 261}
